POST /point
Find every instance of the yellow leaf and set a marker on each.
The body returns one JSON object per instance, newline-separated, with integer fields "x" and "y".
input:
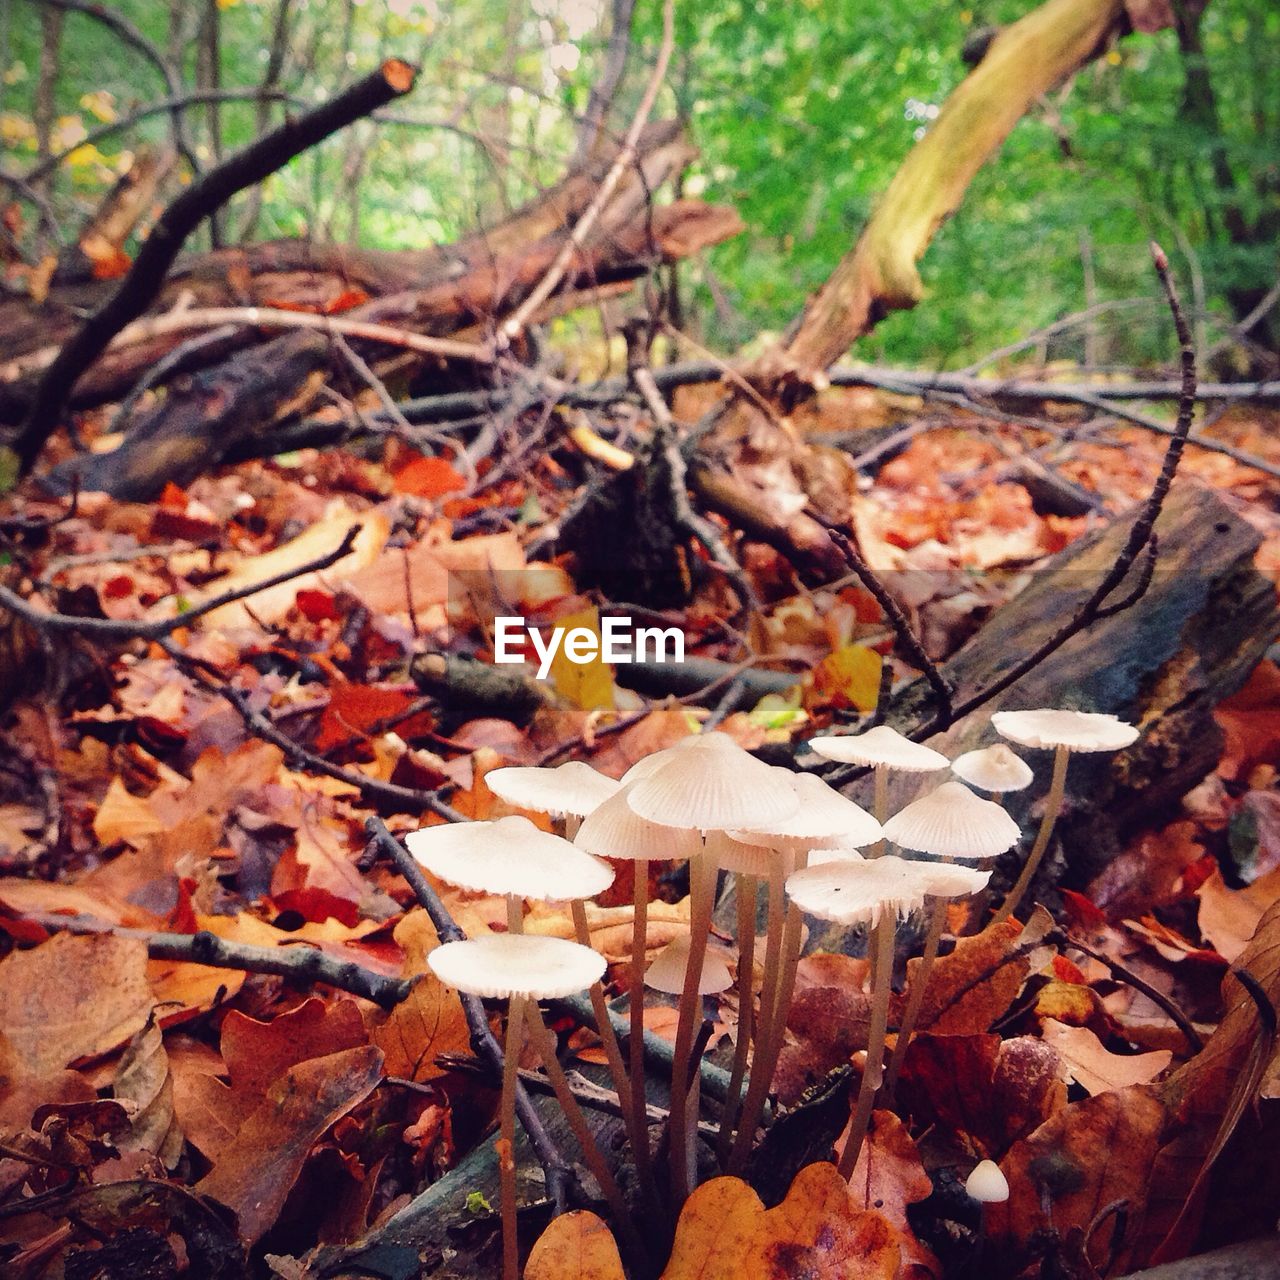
{"x": 576, "y": 1246}
{"x": 849, "y": 677}
{"x": 588, "y": 685}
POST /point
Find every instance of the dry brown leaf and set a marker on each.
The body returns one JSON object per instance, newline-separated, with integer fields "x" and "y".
{"x": 1086, "y": 1061}
{"x": 123, "y": 816}
{"x": 1086, "y": 1157}
{"x": 1229, "y": 917}
{"x": 143, "y": 1079}
{"x": 73, "y": 997}
{"x": 431, "y": 1021}
{"x": 256, "y": 1170}
{"x": 888, "y": 1177}
{"x": 970, "y": 988}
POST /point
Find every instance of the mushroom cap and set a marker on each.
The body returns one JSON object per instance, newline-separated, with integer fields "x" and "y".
{"x": 849, "y": 891}
{"x": 666, "y": 973}
{"x": 573, "y": 787}
{"x": 1076, "y": 730}
{"x": 711, "y": 786}
{"x": 993, "y": 768}
{"x": 517, "y": 964}
{"x": 987, "y": 1183}
{"x": 951, "y": 822}
{"x": 509, "y": 856}
{"x": 881, "y": 746}
{"x": 616, "y": 830}
{"x": 824, "y": 817}
{"x": 742, "y": 855}
{"x": 654, "y": 761}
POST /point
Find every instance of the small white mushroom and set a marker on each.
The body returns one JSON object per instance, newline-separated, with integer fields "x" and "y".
{"x": 987, "y": 1183}
{"x": 994, "y": 769}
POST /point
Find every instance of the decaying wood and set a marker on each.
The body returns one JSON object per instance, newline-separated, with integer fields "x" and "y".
{"x": 1203, "y": 624}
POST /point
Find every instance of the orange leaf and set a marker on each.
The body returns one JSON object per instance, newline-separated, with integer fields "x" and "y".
{"x": 576, "y": 1246}
{"x": 354, "y": 709}
{"x": 428, "y": 478}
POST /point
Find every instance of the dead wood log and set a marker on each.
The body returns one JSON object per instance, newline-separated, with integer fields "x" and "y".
{"x": 1192, "y": 639}
{"x": 144, "y": 281}
{"x": 206, "y": 416}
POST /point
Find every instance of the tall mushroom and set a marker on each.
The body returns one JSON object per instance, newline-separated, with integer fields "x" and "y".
{"x": 522, "y": 970}
{"x": 1063, "y": 732}
{"x": 615, "y": 830}
{"x": 711, "y": 785}
{"x": 949, "y": 823}
{"x": 570, "y": 791}
{"x": 824, "y": 818}
{"x": 877, "y": 891}
{"x": 512, "y": 857}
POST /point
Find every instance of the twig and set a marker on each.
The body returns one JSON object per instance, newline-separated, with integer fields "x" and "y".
{"x": 483, "y": 1042}
{"x": 113, "y": 629}
{"x": 406, "y": 799}
{"x": 901, "y": 626}
{"x": 130, "y": 35}
{"x": 1140, "y": 532}
{"x": 145, "y": 279}
{"x": 515, "y": 324}
{"x": 1127, "y": 976}
{"x": 298, "y": 962}
{"x": 180, "y": 320}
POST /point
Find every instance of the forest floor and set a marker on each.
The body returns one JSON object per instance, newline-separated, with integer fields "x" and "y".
{"x": 139, "y": 794}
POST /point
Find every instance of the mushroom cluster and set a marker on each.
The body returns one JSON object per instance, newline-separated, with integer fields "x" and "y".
{"x": 810, "y": 849}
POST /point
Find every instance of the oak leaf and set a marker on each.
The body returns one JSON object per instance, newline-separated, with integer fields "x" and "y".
{"x": 576, "y": 1246}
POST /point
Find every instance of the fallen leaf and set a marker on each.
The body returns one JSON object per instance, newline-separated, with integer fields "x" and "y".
{"x": 576, "y": 1246}
{"x": 430, "y": 1022}
{"x": 1086, "y": 1157}
{"x": 970, "y": 988}
{"x": 1229, "y": 918}
{"x": 257, "y": 1168}
{"x": 144, "y": 1079}
{"x": 73, "y": 997}
{"x": 588, "y": 684}
{"x": 428, "y": 478}
{"x": 817, "y": 1232}
{"x": 122, "y": 816}
{"x": 888, "y": 1177}
{"x": 1089, "y": 1063}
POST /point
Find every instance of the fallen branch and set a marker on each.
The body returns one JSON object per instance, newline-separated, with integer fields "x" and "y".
{"x": 146, "y": 278}
{"x": 298, "y": 962}
{"x": 114, "y": 629}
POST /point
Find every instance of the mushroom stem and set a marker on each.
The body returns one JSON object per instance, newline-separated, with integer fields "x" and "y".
{"x": 937, "y": 920}
{"x": 604, "y": 1024}
{"x": 639, "y": 1122}
{"x": 748, "y": 893}
{"x": 873, "y": 1072}
{"x": 507, "y": 1134}
{"x": 702, "y": 879}
{"x": 515, "y": 913}
{"x": 761, "y": 1076}
{"x": 544, "y": 1042}
{"x": 1052, "y": 807}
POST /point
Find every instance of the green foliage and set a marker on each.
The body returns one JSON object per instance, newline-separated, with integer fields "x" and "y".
{"x": 802, "y": 112}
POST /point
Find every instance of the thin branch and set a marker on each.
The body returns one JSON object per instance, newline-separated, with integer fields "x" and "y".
{"x": 515, "y": 324}
{"x": 405, "y": 799}
{"x": 112, "y": 629}
{"x": 902, "y": 628}
{"x": 130, "y": 35}
{"x": 1129, "y": 978}
{"x": 1140, "y": 532}
{"x": 139, "y": 288}
{"x": 297, "y": 962}
{"x": 483, "y": 1042}
{"x": 181, "y": 320}
{"x": 175, "y": 104}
